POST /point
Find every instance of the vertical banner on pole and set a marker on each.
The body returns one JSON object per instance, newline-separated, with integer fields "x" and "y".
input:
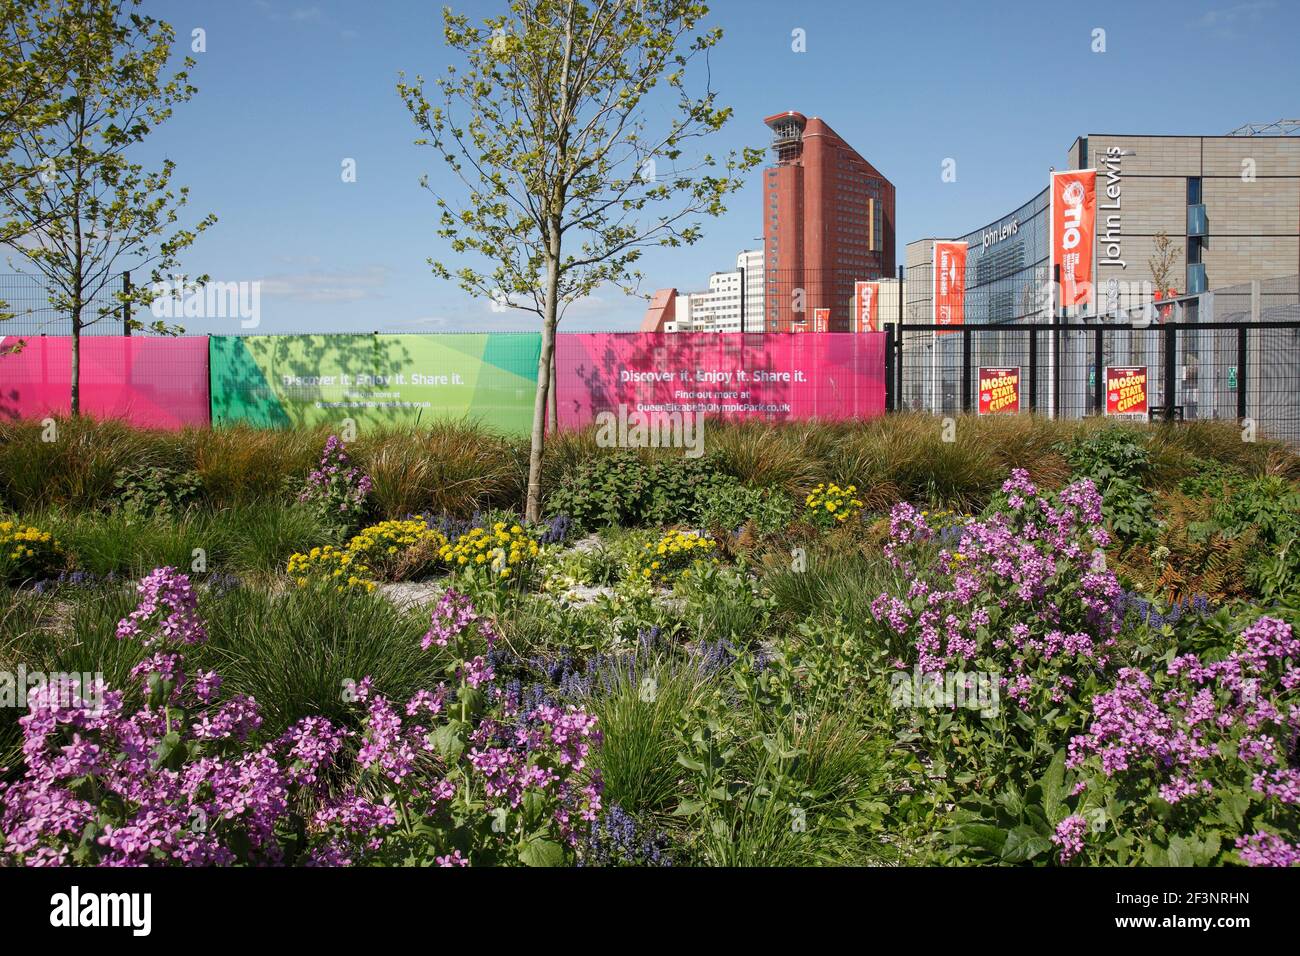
{"x": 866, "y": 297}
{"x": 949, "y": 284}
{"x": 1074, "y": 224}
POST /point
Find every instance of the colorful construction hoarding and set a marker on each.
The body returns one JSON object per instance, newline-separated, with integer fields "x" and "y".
{"x": 147, "y": 381}
{"x": 295, "y": 380}
{"x": 774, "y": 377}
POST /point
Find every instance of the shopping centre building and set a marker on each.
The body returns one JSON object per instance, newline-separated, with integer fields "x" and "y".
{"x": 1215, "y": 218}
{"x": 1230, "y": 206}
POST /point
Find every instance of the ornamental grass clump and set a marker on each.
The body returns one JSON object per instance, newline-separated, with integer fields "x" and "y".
{"x": 27, "y": 553}
{"x": 1196, "y": 764}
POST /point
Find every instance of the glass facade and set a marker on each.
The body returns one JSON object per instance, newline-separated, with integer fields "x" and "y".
{"x": 1006, "y": 269}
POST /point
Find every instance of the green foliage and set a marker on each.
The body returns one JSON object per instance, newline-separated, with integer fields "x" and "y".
{"x": 300, "y": 652}
{"x": 1224, "y": 535}
{"x": 155, "y": 491}
{"x": 730, "y": 506}
{"x": 97, "y": 211}
{"x": 638, "y": 717}
{"x": 621, "y": 489}
{"x": 768, "y": 783}
{"x": 1118, "y": 462}
{"x": 723, "y": 604}
{"x": 1013, "y": 826}
{"x": 1268, "y": 509}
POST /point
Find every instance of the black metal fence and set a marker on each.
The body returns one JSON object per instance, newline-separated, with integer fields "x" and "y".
{"x": 1232, "y": 354}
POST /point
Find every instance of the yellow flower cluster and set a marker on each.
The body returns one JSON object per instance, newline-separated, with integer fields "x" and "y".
{"x": 25, "y": 549}
{"x": 829, "y": 504}
{"x": 383, "y": 546}
{"x": 674, "y": 555}
{"x": 333, "y": 566}
{"x": 501, "y": 550}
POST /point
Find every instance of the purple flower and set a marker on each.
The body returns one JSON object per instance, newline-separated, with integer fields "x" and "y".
{"x": 1069, "y": 837}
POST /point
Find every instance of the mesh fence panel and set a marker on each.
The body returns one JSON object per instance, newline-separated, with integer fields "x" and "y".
{"x": 1235, "y": 354}
{"x": 26, "y": 309}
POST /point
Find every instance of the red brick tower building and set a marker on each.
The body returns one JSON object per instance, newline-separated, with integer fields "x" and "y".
{"x": 828, "y": 221}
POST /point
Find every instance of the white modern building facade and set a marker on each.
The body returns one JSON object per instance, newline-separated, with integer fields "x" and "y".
{"x": 718, "y": 309}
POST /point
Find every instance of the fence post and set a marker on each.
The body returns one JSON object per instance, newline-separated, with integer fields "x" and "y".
{"x": 966, "y": 334}
{"x": 1171, "y": 368}
{"x": 1098, "y": 383}
{"x": 1057, "y": 319}
{"x": 126, "y": 306}
{"x": 890, "y": 360}
{"x": 898, "y": 366}
{"x": 1241, "y": 373}
{"x": 1033, "y": 368}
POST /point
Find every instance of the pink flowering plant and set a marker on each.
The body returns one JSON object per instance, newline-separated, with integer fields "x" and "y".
{"x": 455, "y": 776}
{"x": 337, "y": 490}
{"x": 176, "y": 781}
{"x": 1196, "y": 765}
{"x": 465, "y": 773}
{"x": 1020, "y": 595}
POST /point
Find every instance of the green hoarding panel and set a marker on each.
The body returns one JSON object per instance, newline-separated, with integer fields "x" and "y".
{"x": 290, "y": 380}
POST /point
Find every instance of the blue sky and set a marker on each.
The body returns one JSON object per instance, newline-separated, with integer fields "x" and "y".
{"x": 289, "y": 88}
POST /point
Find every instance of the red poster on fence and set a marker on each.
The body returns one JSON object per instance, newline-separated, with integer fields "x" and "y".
{"x": 1074, "y": 223}
{"x": 866, "y": 297}
{"x": 821, "y": 320}
{"x": 147, "y": 381}
{"x": 1126, "y": 390}
{"x": 949, "y": 283}
{"x": 774, "y": 377}
{"x": 999, "y": 391}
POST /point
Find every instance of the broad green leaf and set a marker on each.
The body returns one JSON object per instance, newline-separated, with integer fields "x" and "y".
{"x": 542, "y": 853}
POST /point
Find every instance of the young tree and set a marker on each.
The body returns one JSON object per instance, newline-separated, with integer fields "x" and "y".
{"x": 80, "y": 212}
{"x": 32, "y": 58}
{"x": 567, "y": 179}
{"x": 1162, "y": 262}
{"x": 32, "y": 70}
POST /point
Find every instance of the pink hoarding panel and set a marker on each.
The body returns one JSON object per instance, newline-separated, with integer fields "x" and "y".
{"x": 151, "y": 382}
{"x": 772, "y": 376}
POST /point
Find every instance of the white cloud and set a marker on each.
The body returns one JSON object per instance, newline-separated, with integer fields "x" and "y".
{"x": 1224, "y": 19}
{"x": 304, "y": 15}
{"x": 325, "y": 287}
